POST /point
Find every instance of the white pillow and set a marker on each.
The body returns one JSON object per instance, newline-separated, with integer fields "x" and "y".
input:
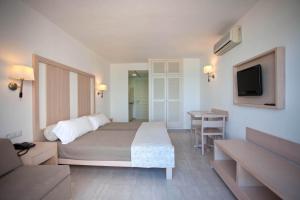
{"x": 98, "y": 120}
{"x": 68, "y": 131}
{"x": 49, "y": 134}
{"x": 95, "y": 122}
{"x": 104, "y": 119}
{"x": 82, "y": 125}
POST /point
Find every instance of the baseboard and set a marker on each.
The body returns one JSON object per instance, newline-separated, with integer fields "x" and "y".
{"x": 178, "y": 130}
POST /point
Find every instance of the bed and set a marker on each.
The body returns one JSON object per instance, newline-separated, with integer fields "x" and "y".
{"x": 62, "y": 92}
{"x": 121, "y": 126}
{"x": 101, "y": 145}
{"x": 144, "y": 145}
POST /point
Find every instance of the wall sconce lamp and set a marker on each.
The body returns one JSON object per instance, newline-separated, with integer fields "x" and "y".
{"x": 101, "y": 89}
{"x": 208, "y": 69}
{"x": 20, "y": 73}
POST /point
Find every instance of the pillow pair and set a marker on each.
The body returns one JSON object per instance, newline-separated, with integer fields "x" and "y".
{"x": 98, "y": 120}
{"x": 67, "y": 131}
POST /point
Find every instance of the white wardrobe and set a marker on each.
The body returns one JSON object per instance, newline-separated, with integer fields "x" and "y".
{"x": 166, "y": 96}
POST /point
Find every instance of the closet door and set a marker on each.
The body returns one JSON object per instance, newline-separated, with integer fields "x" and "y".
{"x": 158, "y": 99}
{"x": 173, "y": 68}
{"x": 174, "y": 102}
{"x": 158, "y": 68}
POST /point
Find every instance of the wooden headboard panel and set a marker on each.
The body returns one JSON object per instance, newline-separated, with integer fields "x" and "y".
{"x": 59, "y": 93}
{"x": 84, "y": 103}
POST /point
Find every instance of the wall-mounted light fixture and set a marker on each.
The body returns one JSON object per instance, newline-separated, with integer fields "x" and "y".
{"x": 101, "y": 89}
{"x": 208, "y": 69}
{"x": 20, "y": 73}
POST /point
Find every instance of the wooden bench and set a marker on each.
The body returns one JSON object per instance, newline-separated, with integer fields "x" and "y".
{"x": 262, "y": 167}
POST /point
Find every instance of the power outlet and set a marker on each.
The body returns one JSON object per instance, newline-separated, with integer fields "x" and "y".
{"x": 14, "y": 134}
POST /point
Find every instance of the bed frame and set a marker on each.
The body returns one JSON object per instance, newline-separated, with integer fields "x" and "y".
{"x": 169, "y": 171}
{"x": 84, "y": 106}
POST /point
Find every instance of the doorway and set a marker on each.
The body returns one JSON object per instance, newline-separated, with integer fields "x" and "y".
{"x": 138, "y": 93}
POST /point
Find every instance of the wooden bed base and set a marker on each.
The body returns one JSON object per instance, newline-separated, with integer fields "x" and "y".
{"x": 169, "y": 171}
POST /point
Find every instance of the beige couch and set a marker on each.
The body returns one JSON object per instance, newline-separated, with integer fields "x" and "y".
{"x": 31, "y": 182}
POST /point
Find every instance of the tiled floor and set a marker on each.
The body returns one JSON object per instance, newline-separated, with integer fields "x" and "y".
{"x": 193, "y": 178}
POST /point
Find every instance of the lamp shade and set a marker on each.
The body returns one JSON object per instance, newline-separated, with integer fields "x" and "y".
{"x": 22, "y": 72}
{"x": 102, "y": 87}
{"x": 207, "y": 69}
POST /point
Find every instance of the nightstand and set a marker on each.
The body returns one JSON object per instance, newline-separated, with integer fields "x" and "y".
{"x": 42, "y": 153}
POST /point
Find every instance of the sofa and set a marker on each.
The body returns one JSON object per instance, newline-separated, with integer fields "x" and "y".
{"x": 17, "y": 181}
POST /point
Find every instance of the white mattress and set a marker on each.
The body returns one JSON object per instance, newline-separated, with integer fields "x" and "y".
{"x": 152, "y": 147}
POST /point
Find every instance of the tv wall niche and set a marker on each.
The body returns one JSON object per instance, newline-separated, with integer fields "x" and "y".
{"x": 273, "y": 80}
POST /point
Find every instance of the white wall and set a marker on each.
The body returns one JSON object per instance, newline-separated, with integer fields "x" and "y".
{"x": 267, "y": 25}
{"x": 119, "y": 89}
{"x": 191, "y": 87}
{"x": 25, "y": 32}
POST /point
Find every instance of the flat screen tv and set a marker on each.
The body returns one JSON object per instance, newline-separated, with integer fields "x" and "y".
{"x": 249, "y": 81}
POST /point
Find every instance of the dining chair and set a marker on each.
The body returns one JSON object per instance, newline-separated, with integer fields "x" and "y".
{"x": 213, "y": 126}
{"x": 195, "y": 127}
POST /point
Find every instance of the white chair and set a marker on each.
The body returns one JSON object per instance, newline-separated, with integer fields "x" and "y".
{"x": 212, "y": 125}
{"x": 195, "y": 127}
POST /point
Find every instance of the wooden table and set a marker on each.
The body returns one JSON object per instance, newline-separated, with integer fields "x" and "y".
{"x": 197, "y": 115}
{"x": 42, "y": 153}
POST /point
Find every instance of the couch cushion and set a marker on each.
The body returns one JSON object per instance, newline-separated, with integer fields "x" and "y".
{"x": 32, "y": 182}
{"x": 8, "y": 157}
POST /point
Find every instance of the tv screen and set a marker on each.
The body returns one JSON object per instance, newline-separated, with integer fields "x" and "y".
{"x": 249, "y": 81}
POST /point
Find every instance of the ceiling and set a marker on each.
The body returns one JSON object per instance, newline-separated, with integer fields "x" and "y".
{"x": 135, "y": 30}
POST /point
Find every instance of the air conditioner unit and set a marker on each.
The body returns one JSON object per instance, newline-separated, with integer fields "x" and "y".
{"x": 228, "y": 41}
